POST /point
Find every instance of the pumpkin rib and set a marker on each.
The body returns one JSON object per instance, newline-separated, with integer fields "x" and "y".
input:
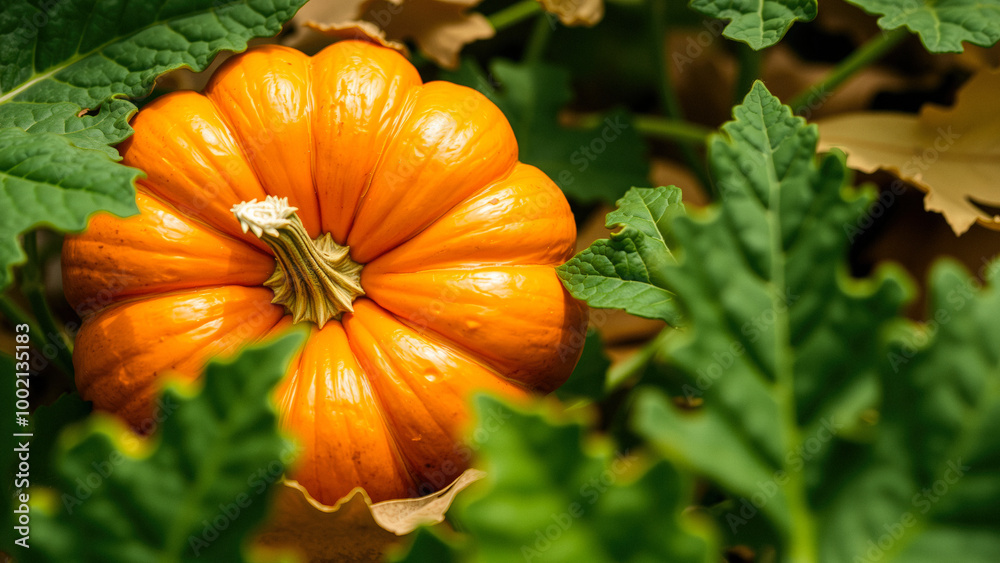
{"x": 128, "y": 263}
{"x": 443, "y": 152}
{"x": 337, "y": 70}
{"x": 460, "y": 237}
{"x": 269, "y": 163}
{"x": 144, "y": 321}
{"x": 469, "y": 307}
{"x": 405, "y": 109}
{"x": 323, "y": 419}
{"x": 420, "y": 381}
{"x": 214, "y": 160}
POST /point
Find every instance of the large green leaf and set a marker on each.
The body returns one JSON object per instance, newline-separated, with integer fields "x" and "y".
{"x": 59, "y": 58}
{"x": 626, "y": 271}
{"x": 589, "y": 165}
{"x": 191, "y": 494}
{"x": 758, "y": 23}
{"x": 46, "y": 180}
{"x": 549, "y": 496}
{"x": 942, "y": 24}
{"x": 788, "y": 357}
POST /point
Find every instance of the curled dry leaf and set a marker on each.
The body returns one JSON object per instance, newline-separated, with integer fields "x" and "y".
{"x": 576, "y": 12}
{"x": 354, "y": 529}
{"x": 358, "y": 29}
{"x": 439, "y": 27}
{"x": 953, "y": 154}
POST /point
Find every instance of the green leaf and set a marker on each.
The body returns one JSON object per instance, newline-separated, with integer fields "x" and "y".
{"x": 626, "y": 271}
{"x": 192, "y": 493}
{"x": 46, "y": 180}
{"x": 589, "y": 378}
{"x": 758, "y": 23}
{"x": 59, "y": 58}
{"x": 549, "y": 497}
{"x": 589, "y": 165}
{"x": 790, "y": 360}
{"x": 942, "y": 24}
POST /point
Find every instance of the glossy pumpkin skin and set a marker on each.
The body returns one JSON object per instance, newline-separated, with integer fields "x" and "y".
{"x": 458, "y": 239}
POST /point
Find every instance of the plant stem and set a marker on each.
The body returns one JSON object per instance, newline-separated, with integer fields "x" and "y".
{"x": 668, "y": 96}
{"x": 868, "y": 53}
{"x": 514, "y": 14}
{"x": 676, "y": 130}
{"x": 539, "y": 39}
{"x": 672, "y": 129}
{"x": 33, "y": 288}
{"x": 749, "y": 62}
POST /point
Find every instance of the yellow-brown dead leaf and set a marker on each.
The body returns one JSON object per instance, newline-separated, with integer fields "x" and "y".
{"x": 576, "y": 12}
{"x": 354, "y": 529}
{"x": 953, "y": 154}
{"x": 439, "y": 27}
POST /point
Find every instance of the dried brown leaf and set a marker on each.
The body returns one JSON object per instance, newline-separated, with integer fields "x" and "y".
{"x": 951, "y": 153}
{"x": 354, "y": 529}
{"x": 439, "y": 27}
{"x": 585, "y": 13}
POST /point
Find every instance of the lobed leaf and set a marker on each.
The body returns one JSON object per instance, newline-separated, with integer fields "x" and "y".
{"x": 941, "y": 24}
{"x": 626, "y": 271}
{"x": 833, "y": 435}
{"x": 758, "y": 23}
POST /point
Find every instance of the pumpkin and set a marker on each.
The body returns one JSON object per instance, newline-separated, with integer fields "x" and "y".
{"x": 338, "y": 191}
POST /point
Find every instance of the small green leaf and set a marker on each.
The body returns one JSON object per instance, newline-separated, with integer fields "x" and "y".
{"x": 550, "y": 497}
{"x": 626, "y": 270}
{"x": 788, "y": 357}
{"x": 589, "y": 165}
{"x": 589, "y": 378}
{"x": 942, "y": 24}
{"x": 46, "y": 180}
{"x": 758, "y": 23}
{"x": 192, "y": 493}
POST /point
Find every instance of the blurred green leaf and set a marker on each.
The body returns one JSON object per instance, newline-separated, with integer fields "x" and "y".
{"x": 942, "y": 24}
{"x": 426, "y": 547}
{"x": 549, "y": 496}
{"x": 193, "y": 492}
{"x": 758, "y": 23}
{"x": 589, "y": 165}
{"x": 790, "y": 360}
{"x": 626, "y": 271}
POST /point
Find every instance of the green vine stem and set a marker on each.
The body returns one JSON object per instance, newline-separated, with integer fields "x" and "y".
{"x": 539, "y": 39}
{"x": 656, "y": 126}
{"x": 48, "y": 335}
{"x": 668, "y": 96}
{"x": 514, "y": 14}
{"x": 749, "y": 71}
{"x": 865, "y": 55}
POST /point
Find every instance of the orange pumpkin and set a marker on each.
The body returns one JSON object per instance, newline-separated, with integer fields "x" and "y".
{"x": 391, "y": 216}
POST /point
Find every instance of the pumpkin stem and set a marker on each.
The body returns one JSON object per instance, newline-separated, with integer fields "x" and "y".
{"x": 315, "y": 280}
